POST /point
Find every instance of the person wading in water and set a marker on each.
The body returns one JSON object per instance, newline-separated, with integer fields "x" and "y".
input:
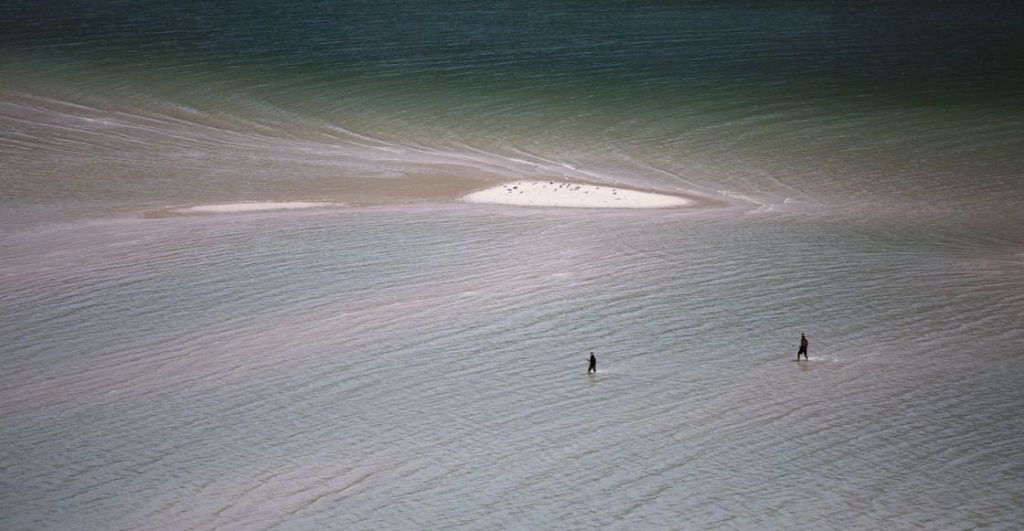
{"x": 803, "y": 348}
{"x": 593, "y": 364}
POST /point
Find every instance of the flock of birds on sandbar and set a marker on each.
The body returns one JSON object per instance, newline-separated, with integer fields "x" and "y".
{"x": 567, "y": 186}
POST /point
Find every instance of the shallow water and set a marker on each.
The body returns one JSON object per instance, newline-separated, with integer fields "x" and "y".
{"x": 397, "y": 359}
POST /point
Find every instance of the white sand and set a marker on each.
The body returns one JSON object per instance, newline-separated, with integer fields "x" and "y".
{"x": 563, "y": 194}
{"x": 228, "y": 208}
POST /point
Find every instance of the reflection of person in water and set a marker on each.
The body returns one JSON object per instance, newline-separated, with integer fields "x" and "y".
{"x": 593, "y": 364}
{"x": 803, "y": 348}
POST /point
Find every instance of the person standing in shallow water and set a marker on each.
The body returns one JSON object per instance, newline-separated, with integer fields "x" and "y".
{"x": 803, "y": 348}
{"x": 593, "y": 364}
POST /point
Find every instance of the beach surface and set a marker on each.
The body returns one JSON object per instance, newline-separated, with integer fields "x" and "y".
{"x": 573, "y": 195}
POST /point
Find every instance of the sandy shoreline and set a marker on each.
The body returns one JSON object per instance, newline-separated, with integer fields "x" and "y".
{"x": 523, "y": 192}
{"x": 573, "y": 195}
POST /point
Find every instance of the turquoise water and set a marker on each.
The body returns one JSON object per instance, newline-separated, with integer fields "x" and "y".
{"x": 404, "y": 360}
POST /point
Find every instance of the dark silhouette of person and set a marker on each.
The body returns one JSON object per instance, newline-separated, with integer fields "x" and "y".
{"x": 803, "y": 348}
{"x": 593, "y": 364}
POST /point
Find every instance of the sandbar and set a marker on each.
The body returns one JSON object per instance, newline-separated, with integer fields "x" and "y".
{"x": 229, "y": 208}
{"x": 573, "y": 195}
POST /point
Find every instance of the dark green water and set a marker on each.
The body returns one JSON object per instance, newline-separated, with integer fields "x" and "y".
{"x": 824, "y": 98}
